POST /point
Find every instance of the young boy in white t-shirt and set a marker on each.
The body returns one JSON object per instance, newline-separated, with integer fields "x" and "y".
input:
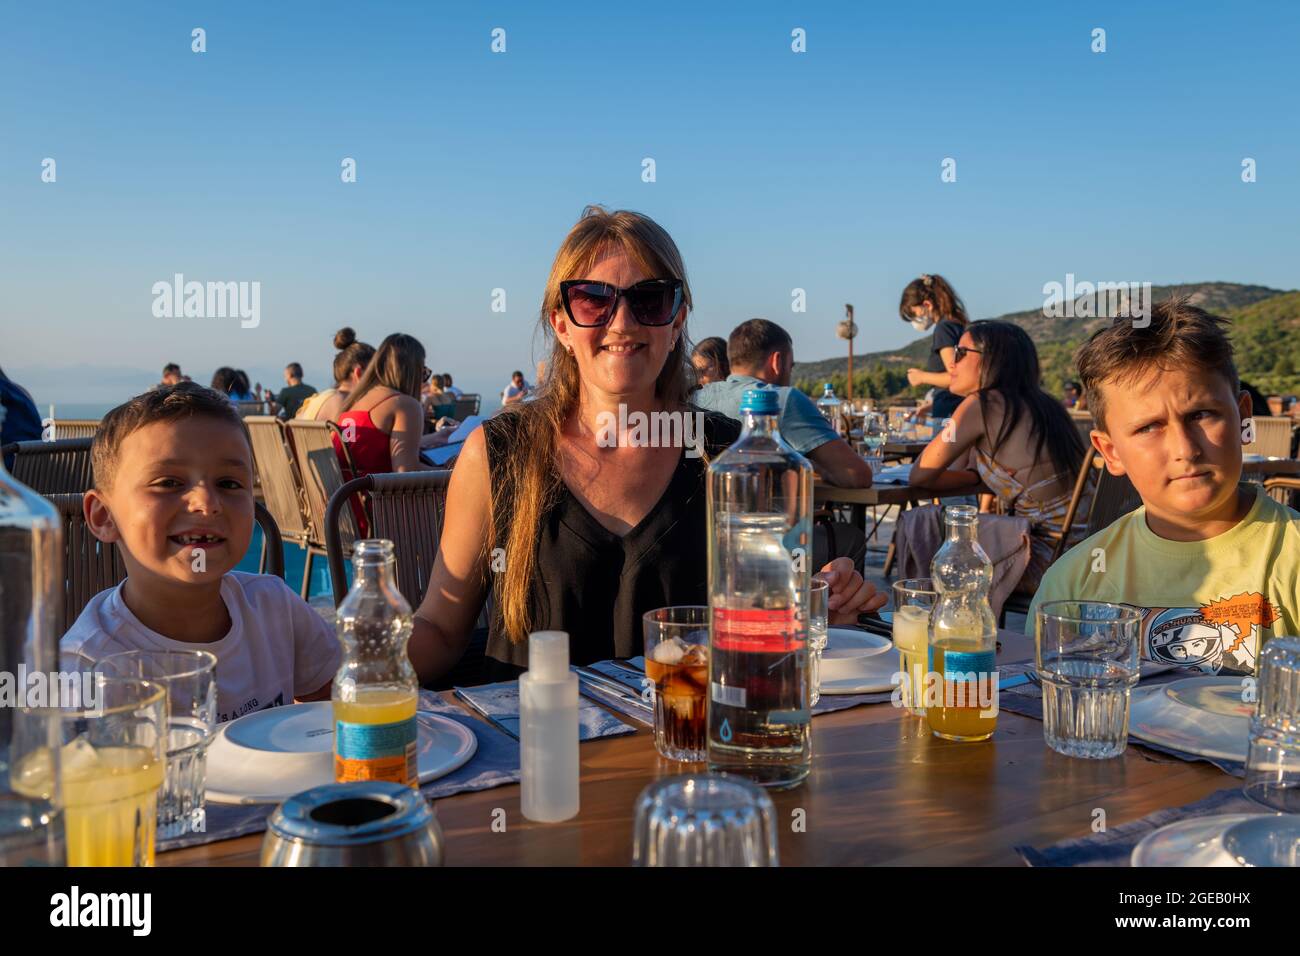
{"x": 174, "y": 491}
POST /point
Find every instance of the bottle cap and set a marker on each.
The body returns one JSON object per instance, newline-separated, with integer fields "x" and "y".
{"x": 548, "y": 655}
{"x": 760, "y": 401}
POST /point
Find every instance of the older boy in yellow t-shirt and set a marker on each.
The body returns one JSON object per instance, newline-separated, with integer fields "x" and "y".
{"x": 1215, "y": 563}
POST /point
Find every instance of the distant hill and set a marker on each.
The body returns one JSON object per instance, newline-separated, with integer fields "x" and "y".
{"x": 1265, "y": 331}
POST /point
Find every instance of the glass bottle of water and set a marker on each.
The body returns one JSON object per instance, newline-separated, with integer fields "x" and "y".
{"x": 31, "y": 599}
{"x": 760, "y": 551}
{"x": 959, "y": 701}
{"x": 832, "y": 410}
{"x": 375, "y": 691}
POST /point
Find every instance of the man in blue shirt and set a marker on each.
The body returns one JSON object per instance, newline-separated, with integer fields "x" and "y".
{"x": 762, "y": 353}
{"x": 20, "y": 419}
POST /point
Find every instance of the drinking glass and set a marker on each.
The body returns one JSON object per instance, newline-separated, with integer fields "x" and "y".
{"x": 818, "y": 619}
{"x": 1273, "y": 761}
{"x": 111, "y": 763}
{"x": 677, "y": 663}
{"x": 1087, "y": 660}
{"x": 699, "y": 820}
{"x": 190, "y": 680}
{"x": 913, "y": 600}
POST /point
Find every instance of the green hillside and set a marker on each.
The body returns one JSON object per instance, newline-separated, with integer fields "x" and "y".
{"x": 1265, "y": 331}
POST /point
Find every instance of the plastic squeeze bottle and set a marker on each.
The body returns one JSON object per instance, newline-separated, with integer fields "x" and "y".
{"x": 548, "y": 730}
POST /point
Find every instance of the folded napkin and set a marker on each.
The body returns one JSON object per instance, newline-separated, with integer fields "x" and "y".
{"x": 1114, "y": 847}
{"x": 495, "y": 763}
{"x": 826, "y": 705}
{"x": 501, "y": 703}
{"x": 1027, "y": 700}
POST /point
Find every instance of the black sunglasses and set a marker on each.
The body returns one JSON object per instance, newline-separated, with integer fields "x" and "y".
{"x": 652, "y": 302}
{"x": 960, "y": 351}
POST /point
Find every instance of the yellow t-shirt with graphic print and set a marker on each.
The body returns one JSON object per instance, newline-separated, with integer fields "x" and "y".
{"x": 1210, "y": 605}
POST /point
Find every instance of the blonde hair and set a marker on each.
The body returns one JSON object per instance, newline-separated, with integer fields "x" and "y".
{"x": 398, "y": 364}
{"x": 530, "y": 481}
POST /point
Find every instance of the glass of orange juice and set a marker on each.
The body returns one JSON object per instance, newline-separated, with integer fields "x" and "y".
{"x": 111, "y": 764}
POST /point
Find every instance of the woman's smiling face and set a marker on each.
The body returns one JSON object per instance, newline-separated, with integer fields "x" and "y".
{"x": 622, "y": 357}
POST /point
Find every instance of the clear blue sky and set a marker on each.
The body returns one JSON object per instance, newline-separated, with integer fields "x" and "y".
{"x": 775, "y": 170}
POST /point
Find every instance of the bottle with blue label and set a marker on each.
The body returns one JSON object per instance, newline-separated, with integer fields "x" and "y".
{"x": 375, "y": 690}
{"x": 961, "y": 688}
{"x": 760, "y": 554}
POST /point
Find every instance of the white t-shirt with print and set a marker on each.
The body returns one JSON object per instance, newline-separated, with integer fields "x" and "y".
{"x": 277, "y": 647}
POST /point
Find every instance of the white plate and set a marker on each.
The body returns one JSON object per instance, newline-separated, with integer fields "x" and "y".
{"x": 1197, "y": 842}
{"x": 269, "y": 755}
{"x": 845, "y": 650}
{"x": 1198, "y": 715}
{"x": 863, "y": 675}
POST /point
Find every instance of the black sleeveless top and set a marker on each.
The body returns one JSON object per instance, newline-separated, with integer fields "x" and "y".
{"x": 594, "y": 584}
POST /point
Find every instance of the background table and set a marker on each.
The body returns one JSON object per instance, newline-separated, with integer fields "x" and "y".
{"x": 882, "y": 791}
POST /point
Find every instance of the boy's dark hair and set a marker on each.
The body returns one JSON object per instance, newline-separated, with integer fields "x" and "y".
{"x": 166, "y": 404}
{"x": 750, "y": 343}
{"x": 171, "y": 368}
{"x": 1179, "y": 336}
{"x": 294, "y": 369}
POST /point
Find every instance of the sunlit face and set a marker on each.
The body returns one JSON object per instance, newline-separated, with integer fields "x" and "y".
{"x": 181, "y": 487}
{"x": 966, "y": 370}
{"x": 622, "y": 357}
{"x": 1177, "y": 435}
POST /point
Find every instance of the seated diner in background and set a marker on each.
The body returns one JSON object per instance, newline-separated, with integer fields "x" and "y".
{"x": 762, "y": 353}
{"x": 349, "y": 364}
{"x": 1008, "y": 434}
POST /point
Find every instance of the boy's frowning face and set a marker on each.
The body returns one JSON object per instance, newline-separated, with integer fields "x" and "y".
{"x": 1177, "y": 435}
{"x": 180, "y": 487}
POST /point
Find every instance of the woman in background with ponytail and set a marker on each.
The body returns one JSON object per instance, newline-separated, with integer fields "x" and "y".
{"x": 349, "y": 363}
{"x": 930, "y": 303}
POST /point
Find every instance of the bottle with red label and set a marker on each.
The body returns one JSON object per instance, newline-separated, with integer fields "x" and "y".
{"x": 760, "y": 556}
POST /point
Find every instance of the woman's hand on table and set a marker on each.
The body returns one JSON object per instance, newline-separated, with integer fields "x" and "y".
{"x": 849, "y": 594}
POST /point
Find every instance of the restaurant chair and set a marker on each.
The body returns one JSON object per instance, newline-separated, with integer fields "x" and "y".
{"x": 1284, "y": 489}
{"x": 75, "y": 427}
{"x": 1272, "y": 438}
{"x": 251, "y": 408}
{"x": 320, "y": 473}
{"x": 277, "y": 476}
{"x": 466, "y": 406}
{"x": 408, "y": 509}
{"x": 51, "y": 467}
{"x": 91, "y": 565}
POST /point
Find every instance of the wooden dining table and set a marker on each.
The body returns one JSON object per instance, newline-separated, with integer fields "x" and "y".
{"x": 882, "y": 790}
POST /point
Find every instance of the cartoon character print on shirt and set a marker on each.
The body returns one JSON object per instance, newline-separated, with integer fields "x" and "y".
{"x": 1222, "y": 636}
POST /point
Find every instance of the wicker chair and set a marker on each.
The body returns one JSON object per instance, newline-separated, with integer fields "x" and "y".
{"x": 52, "y": 467}
{"x": 321, "y": 475}
{"x": 1272, "y": 438}
{"x": 407, "y": 509}
{"x": 91, "y": 566}
{"x": 76, "y": 427}
{"x": 277, "y": 474}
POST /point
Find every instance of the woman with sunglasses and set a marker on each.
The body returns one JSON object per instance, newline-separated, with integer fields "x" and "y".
{"x": 566, "y": 530}
{"x": 1009, "y": 434}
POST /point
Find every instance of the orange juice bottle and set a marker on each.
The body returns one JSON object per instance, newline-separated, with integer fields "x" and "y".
{"x": 375, "y": 690}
